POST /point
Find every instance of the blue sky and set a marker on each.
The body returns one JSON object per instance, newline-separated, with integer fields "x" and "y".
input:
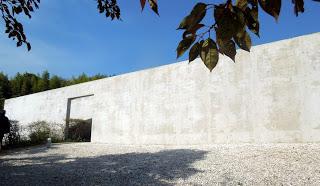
{"x": 69, "y": 36}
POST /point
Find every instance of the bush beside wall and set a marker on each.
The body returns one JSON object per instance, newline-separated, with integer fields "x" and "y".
{"x": 40, "y": 131}
{"x": 37, "y": 133}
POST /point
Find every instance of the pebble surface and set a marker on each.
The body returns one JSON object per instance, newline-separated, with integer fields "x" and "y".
{"x": 102, "y": 164}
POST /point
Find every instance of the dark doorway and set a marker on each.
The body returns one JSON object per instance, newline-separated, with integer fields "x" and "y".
{"x": 79, "y": 130}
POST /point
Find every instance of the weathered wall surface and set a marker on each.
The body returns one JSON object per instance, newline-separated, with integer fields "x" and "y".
{"x": 269, "y": 95}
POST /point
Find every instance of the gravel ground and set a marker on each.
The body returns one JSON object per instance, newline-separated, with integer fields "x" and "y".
{"x": 101, "y": 164}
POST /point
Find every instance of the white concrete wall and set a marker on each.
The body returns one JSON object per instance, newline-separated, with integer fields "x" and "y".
{"x": 81, "y": 108}
{"x": 271, "y": 94}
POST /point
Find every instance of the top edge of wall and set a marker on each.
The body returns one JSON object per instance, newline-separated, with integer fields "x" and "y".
{"x": 312, "y": 35}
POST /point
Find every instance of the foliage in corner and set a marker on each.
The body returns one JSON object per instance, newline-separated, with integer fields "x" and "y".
{"x": 232, "y": 21}
{"x": 9, "y": 10}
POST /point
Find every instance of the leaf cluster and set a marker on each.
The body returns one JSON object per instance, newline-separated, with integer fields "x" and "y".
{"x": 9, "y": 9}
{"x": 232, "y": 21}
{"x": 110, "y": 8}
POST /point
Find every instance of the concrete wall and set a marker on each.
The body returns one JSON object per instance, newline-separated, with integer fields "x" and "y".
{"x": 271, "y": 94}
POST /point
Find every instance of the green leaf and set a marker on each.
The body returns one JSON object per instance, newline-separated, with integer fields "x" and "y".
{"x": 224, "y": 20}
{"x": 143, "y": 3}
{"x": 184, "y": 23}
{"x": 243, "y": 40}
{"x": 18, "y": 9}
{"x": 229, "y": 49}
{"x": 298, "y": 6}
{"x": 12, "y": 34}
{"x": 252, "y": 20}
{"x": 218, "y": 13}
{"x": 242, "y": 4}
{"x": 194, "y": 52}
{"x": 184, "y": 45}
{"x": 195, "y": 17}
{"x": 197, "y": 14}
{"x": 154, "y": 6}
{"x": 226, "y": 46}
{"x": 230, "y": 20}
{"x": 272, "y": 7}
{"x": 19, "y": 43}
{"x": 193, "y": 30}
{"x": 28, "y": 46}
{"x": 209, "y": 54}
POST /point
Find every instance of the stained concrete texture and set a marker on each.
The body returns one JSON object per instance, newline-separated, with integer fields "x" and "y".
{"x": 271, "y": 94}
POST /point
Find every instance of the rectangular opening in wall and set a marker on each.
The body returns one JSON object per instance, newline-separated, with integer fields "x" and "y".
{"x": 79, "y": 118}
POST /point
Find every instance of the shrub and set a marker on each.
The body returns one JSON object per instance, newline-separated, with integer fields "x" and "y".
{"x": 57, "y": 132}
{"x": 39, "y": 132}
{"x": 13, "y": 138}
{"x": 34, "y": 134}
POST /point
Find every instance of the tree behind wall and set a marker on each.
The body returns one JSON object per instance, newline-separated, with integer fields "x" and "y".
{"x": 26, "y": 87}
{"x": 28, "y": 83}
{"x": 44, "y": 83}
{"x": 16, "y": 84}
{"x": 5, "y": 89}
{"x": 56, "y": 82}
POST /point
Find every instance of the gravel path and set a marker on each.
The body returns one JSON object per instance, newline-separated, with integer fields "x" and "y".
{"x": 100, "y": 164}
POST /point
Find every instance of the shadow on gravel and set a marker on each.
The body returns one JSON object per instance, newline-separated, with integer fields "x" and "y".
{"x": 36, "y": 149}
{"x": 160, "y": 168}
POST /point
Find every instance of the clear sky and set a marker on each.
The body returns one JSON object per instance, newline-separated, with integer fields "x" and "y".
{"x": 70, "y": 37}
